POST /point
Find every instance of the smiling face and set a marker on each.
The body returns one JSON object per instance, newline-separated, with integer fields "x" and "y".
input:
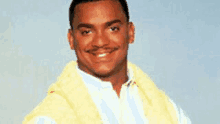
{"x": 100, "y": 37}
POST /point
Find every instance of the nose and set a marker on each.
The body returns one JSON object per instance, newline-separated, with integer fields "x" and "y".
{"x": 100, "y": 40}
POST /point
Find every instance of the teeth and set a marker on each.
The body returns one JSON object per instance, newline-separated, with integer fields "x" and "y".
{"x": 102, "y": 55}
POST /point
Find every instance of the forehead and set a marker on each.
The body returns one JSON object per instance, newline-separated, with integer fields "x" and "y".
{"x": 99, "y": 12}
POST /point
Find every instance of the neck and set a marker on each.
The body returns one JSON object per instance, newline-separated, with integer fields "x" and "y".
{"x": 118, "y": 78}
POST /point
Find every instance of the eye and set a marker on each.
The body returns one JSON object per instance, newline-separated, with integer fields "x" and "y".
{"x": 114, "y": 29}
{"x": 86, "y": 32}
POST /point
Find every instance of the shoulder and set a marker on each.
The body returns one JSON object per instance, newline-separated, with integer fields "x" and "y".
{"x": 183, "y": 118}
{"x": 53, "y": 108}
{"x": 42, "y": 120}
{"x": 155, "y": 96}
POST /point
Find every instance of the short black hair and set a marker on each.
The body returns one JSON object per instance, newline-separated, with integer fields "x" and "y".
{"x": 76, "y": 2}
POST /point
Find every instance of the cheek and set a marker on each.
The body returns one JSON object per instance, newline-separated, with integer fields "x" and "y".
{"x": 81, "y": 43}
{"x": 75, "y": 45}
{"x": 119, "y": 38}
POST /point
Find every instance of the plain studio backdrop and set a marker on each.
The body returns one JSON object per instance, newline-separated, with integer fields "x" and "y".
{"x": 177, "y": 45}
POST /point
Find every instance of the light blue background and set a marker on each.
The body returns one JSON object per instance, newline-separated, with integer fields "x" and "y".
{"x": 177, "y": 44}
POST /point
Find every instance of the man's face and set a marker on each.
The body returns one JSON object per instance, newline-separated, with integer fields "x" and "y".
{"x": 100, "y": 37}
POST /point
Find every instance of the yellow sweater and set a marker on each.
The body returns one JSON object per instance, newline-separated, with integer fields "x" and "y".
{"x": 69, "y": 102}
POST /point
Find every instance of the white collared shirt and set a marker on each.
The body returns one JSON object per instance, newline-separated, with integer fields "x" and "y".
{"x": 128, "y": 109}
{"x": 114, "y": 110}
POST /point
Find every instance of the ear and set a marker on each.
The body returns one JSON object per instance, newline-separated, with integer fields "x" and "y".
{"x": 131, "y": 32}
{"x": 70, "y": 38}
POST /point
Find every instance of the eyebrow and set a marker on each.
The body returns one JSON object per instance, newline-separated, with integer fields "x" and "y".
{"x": 107, "y": 24}
{"x": 112, "y": 22}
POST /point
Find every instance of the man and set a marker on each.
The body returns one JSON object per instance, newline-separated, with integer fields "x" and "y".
{"x": 102, "y": 86}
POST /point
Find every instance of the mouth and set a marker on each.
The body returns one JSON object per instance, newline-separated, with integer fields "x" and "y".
{"x": 102, "y": 53}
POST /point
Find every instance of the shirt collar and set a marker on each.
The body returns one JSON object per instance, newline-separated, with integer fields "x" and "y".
{"x": 91, "y": 80}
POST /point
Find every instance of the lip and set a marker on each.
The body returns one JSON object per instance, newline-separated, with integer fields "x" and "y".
{"x": 98, "y": 54}
{"x": 102, "y": 55}
{"x": 102, "y": 52}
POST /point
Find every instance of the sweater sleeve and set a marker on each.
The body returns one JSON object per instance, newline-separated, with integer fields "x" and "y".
{"x": 42, "y": 120}
{"x": 53, "y": 109}
{"x": 182, "y": 116}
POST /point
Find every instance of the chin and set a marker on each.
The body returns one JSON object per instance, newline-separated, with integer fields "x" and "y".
{"x": 103, "y": 72}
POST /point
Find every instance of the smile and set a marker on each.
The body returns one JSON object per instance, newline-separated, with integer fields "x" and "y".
{"x": 102, "y": 55}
